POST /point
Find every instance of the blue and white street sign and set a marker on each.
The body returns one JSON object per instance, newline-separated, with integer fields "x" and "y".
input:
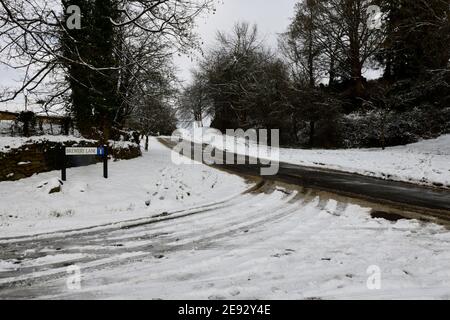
{"x": 83, "y": 151}
{"x": 100, "y": 151}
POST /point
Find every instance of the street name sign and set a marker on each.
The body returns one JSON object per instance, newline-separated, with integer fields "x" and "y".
{"x": 79, "y": 151}
{"x": 84, "y": 151}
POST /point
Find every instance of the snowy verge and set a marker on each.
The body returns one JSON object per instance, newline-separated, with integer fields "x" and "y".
{"x": 136, "y": 188}
{"x": 425, "y": 163}
{"x": 8, "y": 143}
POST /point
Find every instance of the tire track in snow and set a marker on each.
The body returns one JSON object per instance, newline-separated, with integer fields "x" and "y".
{"x": 155, "y": 238}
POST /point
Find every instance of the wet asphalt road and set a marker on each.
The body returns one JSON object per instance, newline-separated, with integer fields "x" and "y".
{"x": 433, "y": 203}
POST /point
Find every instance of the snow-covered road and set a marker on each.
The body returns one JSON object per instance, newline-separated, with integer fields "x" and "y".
{"x": 274, "y": 242}
{"x": 424, "y": 163}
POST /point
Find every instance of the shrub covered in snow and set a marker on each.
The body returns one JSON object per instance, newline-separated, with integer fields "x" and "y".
{"x": 368, "y": 129}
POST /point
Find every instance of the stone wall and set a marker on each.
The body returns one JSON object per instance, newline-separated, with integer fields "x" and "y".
{"x": 44, "y": 156}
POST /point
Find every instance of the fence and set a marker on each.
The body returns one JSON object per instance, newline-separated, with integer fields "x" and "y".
{"x": 28, "y": 123}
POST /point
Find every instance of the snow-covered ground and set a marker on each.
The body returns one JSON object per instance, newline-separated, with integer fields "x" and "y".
{"x": 136, "y": 188}
{"x": 312, "y": 248}
{"x": 8, "y": 143}
{"x": 426, "y": 162}
{"x": 277, "y": 242}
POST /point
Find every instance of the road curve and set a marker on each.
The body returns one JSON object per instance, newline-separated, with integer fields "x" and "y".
{"x": 433, "y": 203}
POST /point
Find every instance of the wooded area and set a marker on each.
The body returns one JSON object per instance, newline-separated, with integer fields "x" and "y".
{"x": 314, "y": 88}
{"x": 115, "y": 71}
{"x": 105, "y": 63}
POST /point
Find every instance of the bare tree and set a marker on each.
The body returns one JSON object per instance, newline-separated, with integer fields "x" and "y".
{"x": 349, "y": 38}
{"x": 301, "y": 46}
{"x": 30, "y": 34}
{"x": 194, "y": 103}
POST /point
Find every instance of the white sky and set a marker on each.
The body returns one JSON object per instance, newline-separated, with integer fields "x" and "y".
{"x": 271, "y": 16}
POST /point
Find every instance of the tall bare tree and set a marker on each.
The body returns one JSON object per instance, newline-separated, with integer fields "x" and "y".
{"x": 194, "y": 103}
{"x": 30, "y": 33}
{"x": 350, "y": 38}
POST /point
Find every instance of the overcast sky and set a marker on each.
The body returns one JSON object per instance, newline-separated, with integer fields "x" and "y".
{"x": 271, "y": 16}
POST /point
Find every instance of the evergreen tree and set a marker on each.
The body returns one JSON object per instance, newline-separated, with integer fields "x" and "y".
{"x": 417, "y": 37}
{"x": 93, "y": 67}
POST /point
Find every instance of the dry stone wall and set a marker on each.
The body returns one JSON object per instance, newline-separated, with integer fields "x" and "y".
{"x": 43, "y": 156}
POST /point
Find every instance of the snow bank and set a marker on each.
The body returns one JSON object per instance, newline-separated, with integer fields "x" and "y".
{"x": 8, "y": 143}
{"x": 426, "y": 162}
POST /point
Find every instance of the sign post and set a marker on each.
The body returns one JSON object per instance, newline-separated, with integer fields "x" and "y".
{"x": 63, "y": 166}
{"x": 104, "y": 152}
{"x": 82, "y": 151}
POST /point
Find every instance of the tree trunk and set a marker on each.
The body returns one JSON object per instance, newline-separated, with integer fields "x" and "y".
{"x": 294, "y": 130}
{"x": 26, "y": 128}
{"x": 355, "y": 47}
{"x": 312, "y": 129}
{"x": 312, "y": 80}
{"x": 358, "y": 80}
{"x": 383, "y": 131}
{"x": 146, "y": 142}
{"x": 332, "y": 73}
{"x": 106, "y": 130}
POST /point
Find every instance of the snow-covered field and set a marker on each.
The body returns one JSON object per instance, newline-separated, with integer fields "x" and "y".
{"x": 136, "y": 188}
{"x": 426, "y": 162}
